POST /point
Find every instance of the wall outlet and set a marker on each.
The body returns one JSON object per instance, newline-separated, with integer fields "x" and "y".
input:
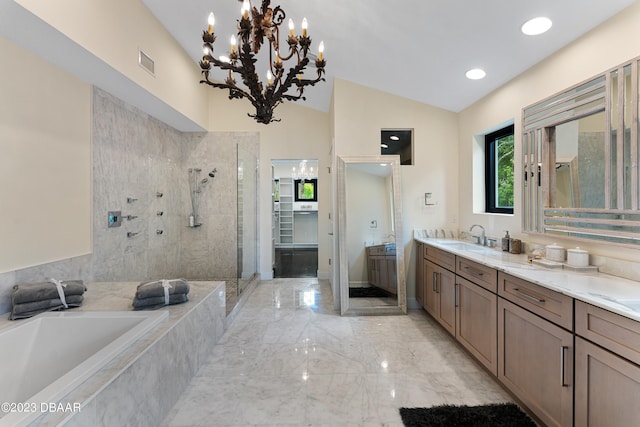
{"x": 373, "y": 224}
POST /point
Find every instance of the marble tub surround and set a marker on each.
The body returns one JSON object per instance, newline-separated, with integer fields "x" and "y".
{"x": 140, "y": 385}
{"x": 137, "y": 156}
{"x": 612, "y": 293}
{"x": 289, "y": 359}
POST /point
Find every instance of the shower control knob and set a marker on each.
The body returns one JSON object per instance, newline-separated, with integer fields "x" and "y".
{"x": 159, "y": 194}
{"x": 160, "y": 213}
{"x": 158, "y": 232}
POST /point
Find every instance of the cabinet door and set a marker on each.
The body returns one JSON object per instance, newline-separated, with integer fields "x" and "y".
{"x": 535, "y": 363}
{"x": 607, "y": 388}
{"x": 381, "y": 271}
{"x": 420, "y": 274}
{"x": 392, "y": 275}
{"x": 371, "y": 270}
{"x": 477, "y": 322}
{"x": 431, "y": 296}
{"x": 447, "y": 291}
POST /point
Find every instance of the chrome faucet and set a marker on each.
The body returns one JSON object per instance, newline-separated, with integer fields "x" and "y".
{"x": 481, "y": 240}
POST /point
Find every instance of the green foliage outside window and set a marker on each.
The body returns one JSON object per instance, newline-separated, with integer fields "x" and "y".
{"x": 307, "y": 190}
{"x": 504, "y": 171}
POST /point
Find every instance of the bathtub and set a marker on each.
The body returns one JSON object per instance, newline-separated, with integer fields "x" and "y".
{"x": 46, "y": 357}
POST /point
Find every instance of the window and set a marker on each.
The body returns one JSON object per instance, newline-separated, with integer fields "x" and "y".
{"x": 397, "y": 141}
{"x": 499, "y": 171}
{"x": 306, "y": 190}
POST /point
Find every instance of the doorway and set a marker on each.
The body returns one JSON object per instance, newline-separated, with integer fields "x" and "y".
{"x": 295, "y": 218}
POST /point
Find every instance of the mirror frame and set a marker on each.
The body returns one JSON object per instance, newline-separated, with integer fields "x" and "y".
{"x": 345, "y": 310}
{"x": 618, "y": 222}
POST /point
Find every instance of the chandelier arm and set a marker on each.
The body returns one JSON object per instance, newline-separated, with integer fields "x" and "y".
{"x": 223, "y": 65}
{"x": 249, "y": 76}
{"x": 291, "y": 76}
{"x": 234, "y": 91}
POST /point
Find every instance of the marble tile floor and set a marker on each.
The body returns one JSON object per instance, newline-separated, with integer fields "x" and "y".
{"x": 289, "y": 359}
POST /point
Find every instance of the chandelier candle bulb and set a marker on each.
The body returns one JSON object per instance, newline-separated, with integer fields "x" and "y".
{"x": 305, "y": 24}
{"x": 269, "y": 78}
{"x": 246, "y": 6}
{"x": 320, "y": 50}
{"x": 233, "y": 43}
{"x": 211, "y": 20}
{"x": 291, "y": 28}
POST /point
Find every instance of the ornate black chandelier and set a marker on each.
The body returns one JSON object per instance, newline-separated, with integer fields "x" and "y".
{"x": 255, "y": 28}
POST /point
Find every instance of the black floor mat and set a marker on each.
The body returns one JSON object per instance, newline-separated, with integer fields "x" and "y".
{"x": 371, "y": 292}
{"x": 496, "y": 415}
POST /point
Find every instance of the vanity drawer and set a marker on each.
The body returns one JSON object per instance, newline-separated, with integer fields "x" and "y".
{"x": 546, "y": 303}
{"x": 609, "y": 330}
{"x": 440, "y": 257}
{"x": 479, "y": 274}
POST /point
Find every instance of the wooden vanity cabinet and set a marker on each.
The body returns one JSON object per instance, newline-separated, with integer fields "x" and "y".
{"x": 439, "y": 290}
{"x": 535, "y": 353}
{"x": 420, "y": 266}
{"x": 440, "y": 286}
{"x": 381, "y": 267}
{"x": 465, "y": 306}
{"x": 607, "y": 387}
{"x": 477, "y": 322}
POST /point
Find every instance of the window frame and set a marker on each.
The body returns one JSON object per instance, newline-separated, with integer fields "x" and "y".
{"x": 490, "y": 169}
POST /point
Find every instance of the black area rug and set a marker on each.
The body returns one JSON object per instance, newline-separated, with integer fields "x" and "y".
{"x": 369, "y": 292}
{"x": 495, "y": 415}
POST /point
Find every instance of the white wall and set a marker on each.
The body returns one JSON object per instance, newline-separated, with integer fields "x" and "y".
{"x": 100, "y": 40}
{"x": 358, "y": 115}
{"x": 303, "y": 133}
{"x": 45, "y": 162}
{"x": 608, "y": 45}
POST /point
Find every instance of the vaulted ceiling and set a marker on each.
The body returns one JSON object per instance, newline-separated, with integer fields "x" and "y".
{"x": 418, "y": 49}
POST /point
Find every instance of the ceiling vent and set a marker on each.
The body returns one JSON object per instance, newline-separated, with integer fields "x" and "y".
{"x": 146, "y": 62}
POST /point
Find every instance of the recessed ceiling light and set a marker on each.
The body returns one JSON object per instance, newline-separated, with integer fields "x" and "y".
{"x": 536, "y": 26}
{"x": 475, "y": 74}
{"x": 394, "y": 138}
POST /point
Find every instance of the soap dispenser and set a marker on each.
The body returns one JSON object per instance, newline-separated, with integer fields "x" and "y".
{"x": 505, "y": 241}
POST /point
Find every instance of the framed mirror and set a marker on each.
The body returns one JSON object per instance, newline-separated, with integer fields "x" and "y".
{"x": 372, "y": 276}
{"x": 581, "y": 151}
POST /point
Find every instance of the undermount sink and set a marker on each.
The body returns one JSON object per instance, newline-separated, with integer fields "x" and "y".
{"x": 463, "y": 246}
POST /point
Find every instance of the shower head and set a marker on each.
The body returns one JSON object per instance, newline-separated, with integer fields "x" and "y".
{"x": 212, "y": 174}
{"x": 204, "y": 180}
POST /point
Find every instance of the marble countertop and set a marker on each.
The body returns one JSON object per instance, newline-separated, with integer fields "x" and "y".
{"x": 621, "y": 296}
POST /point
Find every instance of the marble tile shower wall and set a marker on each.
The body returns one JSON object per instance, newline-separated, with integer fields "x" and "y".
{"x": 137, "y": 156}
{"x": 211, "y": 250}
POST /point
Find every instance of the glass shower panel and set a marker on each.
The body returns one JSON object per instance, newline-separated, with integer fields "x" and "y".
{"x": 247, "y": 220}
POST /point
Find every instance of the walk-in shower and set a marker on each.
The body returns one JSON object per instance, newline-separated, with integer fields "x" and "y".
{"x": 196, "y": 185}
